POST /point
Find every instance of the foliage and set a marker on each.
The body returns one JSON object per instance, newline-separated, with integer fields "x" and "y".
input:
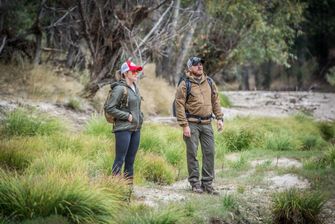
{"x": 29, "y": 197}
{"x": 224, "y": 101}
{"x": 296, "y": 206}
{"x": 330, "y": 77}
{"x": 155, "y": 169}
{"x": 327, "y": 130}
{"x": 253, "y": 32}
{"x": 237, "y": 139}
{"x": 98, "y": 126}
{"x": 21, "y": 123}
{"x": 150, "y": 216}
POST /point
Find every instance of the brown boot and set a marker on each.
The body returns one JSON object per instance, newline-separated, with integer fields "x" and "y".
{"x": 197, "y": 189}
{"x": 209, "y": 189}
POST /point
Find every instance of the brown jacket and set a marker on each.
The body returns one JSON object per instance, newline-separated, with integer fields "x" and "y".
{"x": 201, "y": 101}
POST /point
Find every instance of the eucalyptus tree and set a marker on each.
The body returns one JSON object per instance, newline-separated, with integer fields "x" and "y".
{"x": 244, "y": 32}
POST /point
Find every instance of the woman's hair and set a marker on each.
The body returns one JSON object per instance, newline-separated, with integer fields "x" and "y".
{"x": 118, "y": 75}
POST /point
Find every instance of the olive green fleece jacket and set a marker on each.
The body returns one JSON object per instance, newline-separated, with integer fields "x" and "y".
{"x": 120, "y": 111}
{"x": 201, "y": 101}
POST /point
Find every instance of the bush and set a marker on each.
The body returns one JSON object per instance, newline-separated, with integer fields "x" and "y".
{"x": 155, "y": 169}
{"x": 295, "y": 206}
{"x": 21, "y": 123}
{"x": 27, "y": 197}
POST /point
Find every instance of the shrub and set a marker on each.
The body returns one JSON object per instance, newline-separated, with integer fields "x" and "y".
{"x": 27, "y": 197}
{"x": 295, "y": 206}
{"x": 155, "y": 169}
{"x": 98, "y": 126}
{"x": 21, "y": 123}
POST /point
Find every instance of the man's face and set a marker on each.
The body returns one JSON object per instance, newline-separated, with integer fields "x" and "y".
{"x": 196, "y": 69}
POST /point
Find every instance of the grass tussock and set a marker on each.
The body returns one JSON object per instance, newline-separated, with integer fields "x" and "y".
{"x": 224, "y": 101}
{"x": 278, "y": 134}
{"x": 21, "y": 122}
{"x": 144, "y": 215}
{"x": 98, "y": 126}
{"x": 155, "y": 169}
{"x": 40, "y": 82}
{"x": 30, "y": 197}
{"x": 296, "y": 206}
{"x": 155, "y": 101}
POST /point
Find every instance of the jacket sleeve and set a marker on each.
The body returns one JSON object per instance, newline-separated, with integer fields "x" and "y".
{"x": 113, "y": 103}
{"x": 181, "y": 104}
{"x": 216, "y": 103}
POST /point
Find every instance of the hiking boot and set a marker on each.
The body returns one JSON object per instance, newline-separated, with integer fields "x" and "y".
{"x": 197, "y": 189}
{"x": 209, "y": 189}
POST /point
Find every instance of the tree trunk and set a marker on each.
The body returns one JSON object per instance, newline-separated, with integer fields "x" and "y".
{"x": 165, "y": 67}
{"x": 186, "y": 45}
{"x": 245, "y": 78}
{"x": 38, "y": 34}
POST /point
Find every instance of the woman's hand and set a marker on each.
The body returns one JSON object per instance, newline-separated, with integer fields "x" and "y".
{"x": 130, "y": 118}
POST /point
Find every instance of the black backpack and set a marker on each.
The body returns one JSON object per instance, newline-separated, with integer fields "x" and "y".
{"x": 188, "y": 90}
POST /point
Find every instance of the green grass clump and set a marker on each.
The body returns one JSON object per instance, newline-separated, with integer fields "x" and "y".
{"x": 237, "y": 139}
{"x": 146, "y": 215}
{"x": 60, "y": 162}
{"x": 98, "y": 126}
{"x": 296, "y": 206}
{"x": 53, "y": 219}
{"x": 327, "y": 130}
{"x": 229, "y": 202}
{"x": 155, "y": 169}
{"x": 74, "y": 104}
{"x": 224, "y": 101}
{"x": 21, "y": 123}
{"x": 280, "y": 142}
{"x": 30, "y": 197}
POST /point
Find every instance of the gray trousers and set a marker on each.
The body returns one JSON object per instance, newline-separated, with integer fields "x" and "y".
{"x": 204, "y": 133}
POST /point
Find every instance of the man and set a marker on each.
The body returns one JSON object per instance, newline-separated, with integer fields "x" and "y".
{"x": 194, "y": 114}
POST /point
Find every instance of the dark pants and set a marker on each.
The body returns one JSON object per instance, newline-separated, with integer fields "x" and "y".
{"x": 204, "y": 133}
{"x": 126, "y": 145}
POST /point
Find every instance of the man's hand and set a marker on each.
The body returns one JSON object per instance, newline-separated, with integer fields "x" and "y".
{"x": 187, "y": 131}
{"x": 130, "y": 118}
{"x": 219, "y": 125}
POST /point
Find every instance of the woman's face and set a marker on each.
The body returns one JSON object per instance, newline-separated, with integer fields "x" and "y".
{"x": 132, "y": 76}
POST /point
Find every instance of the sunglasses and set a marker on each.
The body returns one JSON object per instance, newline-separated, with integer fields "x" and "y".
{"x": 134, "y": 73}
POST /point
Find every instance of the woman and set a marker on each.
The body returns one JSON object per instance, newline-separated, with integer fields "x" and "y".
{"x": 125, "y": 107}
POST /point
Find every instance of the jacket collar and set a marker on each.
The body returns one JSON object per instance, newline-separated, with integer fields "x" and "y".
{"x": 193, "y": 79}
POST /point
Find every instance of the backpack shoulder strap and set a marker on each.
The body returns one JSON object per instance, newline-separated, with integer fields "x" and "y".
{"x": 210, "y": 82}
{"x": 125, "y": 96}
